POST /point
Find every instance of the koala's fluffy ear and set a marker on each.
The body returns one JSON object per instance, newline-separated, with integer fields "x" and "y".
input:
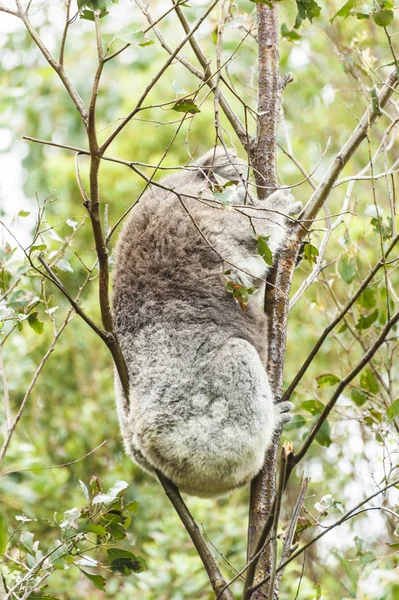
{"x": 217, "y": 162}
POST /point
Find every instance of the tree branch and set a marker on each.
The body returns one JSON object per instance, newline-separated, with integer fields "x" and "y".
{"x": 216, "y": 578}
{"x": 360, "y": 133}
{"x": 263, "y": 154}
{"x": 263, "y": 159}
{"x": 58, "y": 68}
{"x": 351, "y": 513}
{"x": 294, "y": 460}
{"x": 155, "y": 79}
{"x": 230, "y": 114}
{"x": 337, "y": 319}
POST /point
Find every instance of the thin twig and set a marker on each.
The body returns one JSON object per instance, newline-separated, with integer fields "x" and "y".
{"x": 351, "y": 513}
{"x": 155, "y": 79}
{"x": 337, "y": 319}
{"x": 287, "y": 545}
{"x": 340, "y": 388}
{"x": 7, "y": 407}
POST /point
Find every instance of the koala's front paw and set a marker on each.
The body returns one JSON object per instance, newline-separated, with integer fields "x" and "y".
{"x": 283, "y": 410}
{"x": 284, "y": 202}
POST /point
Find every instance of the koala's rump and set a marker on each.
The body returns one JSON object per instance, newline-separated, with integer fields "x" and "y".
{"x": 201, "y": 418}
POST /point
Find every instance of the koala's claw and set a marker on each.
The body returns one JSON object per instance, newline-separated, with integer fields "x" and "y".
{"x": 284, "y": 412}
{"x": 294, "y": 209}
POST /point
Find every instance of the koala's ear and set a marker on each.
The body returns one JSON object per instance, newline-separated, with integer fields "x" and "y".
{"x": 217, "y": 162}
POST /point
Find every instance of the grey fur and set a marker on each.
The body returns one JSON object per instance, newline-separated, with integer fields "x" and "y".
{"x": 201, "y": 408}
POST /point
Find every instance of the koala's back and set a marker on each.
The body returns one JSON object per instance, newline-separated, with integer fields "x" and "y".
{"x": 199, "y": 397}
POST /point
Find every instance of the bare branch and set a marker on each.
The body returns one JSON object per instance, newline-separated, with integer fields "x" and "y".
{"x": 216, "y": 578}
{"x": 9, "y": 11}
{"x": 321, "y": 193}
{"x": 3, "y": 377}
{"x": 12, "y": 428}
{"x": 263, "y": 154}
{"x": 230, "y": 114}
{"x": 287, "y": 546}
{"x": 58, "y": 68}
{"x": 340, "y": 388}
{"x": 285, "y": 452}
{"x": 351, "y": 513}
{"x": 339, "y": 318}
{"x": 65, "y": 32}
{"x": 155, "y": 79}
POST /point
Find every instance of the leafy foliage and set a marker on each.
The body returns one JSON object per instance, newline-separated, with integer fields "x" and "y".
{"x": 84, "y": 538}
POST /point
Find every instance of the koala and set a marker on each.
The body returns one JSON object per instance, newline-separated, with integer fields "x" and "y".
{"x": 200, "y": 410}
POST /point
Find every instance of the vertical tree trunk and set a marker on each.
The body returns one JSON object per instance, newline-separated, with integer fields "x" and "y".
{"x": 263, "y": 155}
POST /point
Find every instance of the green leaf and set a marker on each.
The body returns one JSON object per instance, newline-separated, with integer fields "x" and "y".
{"x": 301, "y": 525}
{"x": 84, "y": 490}
{"x": 323, "y": 437}
{"x": 88, "y": 15}
{"x": 367, "y": 298}
{"x": 296, "y": 422}
{"x": 64, "y": 265}
{"x": 307, "y": 9}
{"x": 343, "y": 328}
{"x": 140, "y": 38}
{"x": 41, "y": 595}
{"x": 114, "y": 524}
{"x": 185, "y": 105}
{"x": 86, "y": 526}
{"x": 363, "y": 12}
{"x": 133, "y": 507}
{"x": 358, "y": 397}
{"x": 327, "y": 379}
{"x": 39, "y": 247}
{"x": 368, "y": 382}
{"x": 103, "y": 499}
{"x": 327, "y": 503}
{"x": 5, "y": 279}
{"x": 366, "y": 321}
{"x": 289, "y": 34}
{"x": 97, "y": 580}
{"x": 315, "y": 407}
{"x": 117, "y": 488}
{"x": 310, "y": 252}
{"x": 383, "y": 18}
{"x": 58, "y": 554}
{"x": 346, "y": 269}
{"x": 264, "y": 250}
{"x": 36, "y": 324}
{"x": 345, "y": 10}
{"x": 125, "y": 562}
{"x": 240, "y": 293}
{"x": 26, "y": 539}
{"x": 393, "y": 410}
{"x": 23, "y": 213}
{"x": 3, "y": 533}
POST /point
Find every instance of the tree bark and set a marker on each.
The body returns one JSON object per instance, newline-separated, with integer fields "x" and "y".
{"x": 263, "y": 156}
{"x": 263, "y": 152}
